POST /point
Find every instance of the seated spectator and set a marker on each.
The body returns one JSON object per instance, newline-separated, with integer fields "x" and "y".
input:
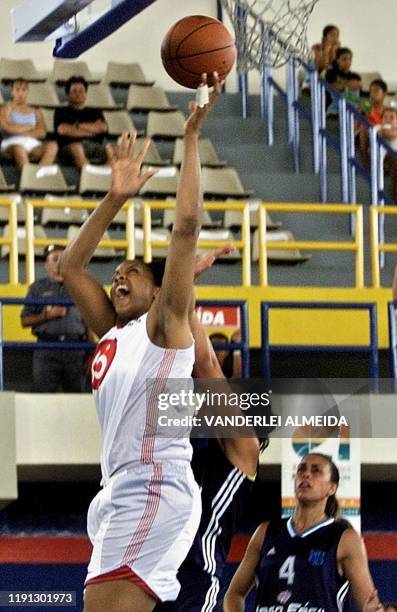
{"x": 388, "y": 131}
{"x": 81, "y": 131}
{"x": 377, "y": 96}
{"x": 55, "y": 323}
{"x": 24, "y": 129}
{"x": 339, "y": 76}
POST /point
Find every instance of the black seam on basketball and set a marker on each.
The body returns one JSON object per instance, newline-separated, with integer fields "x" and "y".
{"x": 180, "y": 67}
{"x": 200, "y": 27}
{"x": 179, "y": 57}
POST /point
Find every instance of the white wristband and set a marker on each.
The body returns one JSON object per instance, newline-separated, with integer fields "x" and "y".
{"x": 202, "y": 95}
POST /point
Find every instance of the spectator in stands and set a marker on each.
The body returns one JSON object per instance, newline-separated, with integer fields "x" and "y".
{"x": 230, "y": 361}
{"x": 81, "y": 131}
{"x": 324, "y": 53}
{"x": 377, "y": 96}
{"x": 339, "y": 76}
{"x": 388, "y": 131}
{"x": 54, "y": 323}
{"x": 24, "y": 130}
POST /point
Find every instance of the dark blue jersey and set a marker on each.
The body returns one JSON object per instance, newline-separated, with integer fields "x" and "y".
{"x": 298, "y": 572}
{"x": 224, "y": 491}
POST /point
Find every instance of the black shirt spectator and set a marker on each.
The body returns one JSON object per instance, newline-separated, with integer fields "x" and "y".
{"x": 80, "y": 131}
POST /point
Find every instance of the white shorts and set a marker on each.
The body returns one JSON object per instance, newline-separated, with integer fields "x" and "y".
{"x": 145, "y": 518}
{"x": 27, "y": 142}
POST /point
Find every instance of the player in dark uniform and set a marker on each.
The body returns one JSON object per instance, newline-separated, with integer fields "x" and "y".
{"x": 225, "y": 470}
{"x": 309, "y": 562}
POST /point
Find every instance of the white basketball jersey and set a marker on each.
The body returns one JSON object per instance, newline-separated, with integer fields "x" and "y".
{"x": 124, "y": 360}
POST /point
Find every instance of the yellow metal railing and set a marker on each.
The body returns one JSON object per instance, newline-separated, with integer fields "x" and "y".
{"x": 244, "y": 244}
{"x": 356, "y": 245}
{"x": 376, "y": 247}
{"x": 32, "y": 242}
{"x": 12, "y": 239}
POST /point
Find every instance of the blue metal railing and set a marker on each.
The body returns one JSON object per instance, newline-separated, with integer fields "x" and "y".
{"x": 243, "y": 345}
{"x": 371, "y": 349}
{"x": 392, "y": 311}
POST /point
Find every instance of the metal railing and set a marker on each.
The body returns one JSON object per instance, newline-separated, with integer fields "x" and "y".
{"x": 12, "y": 239}
{"x": 356, "y": 246}
{"x": 371, "y": 349}
{"x": 242, "y": 345}
{"x": 243, "y": 245}
{"x": 31, "y": 242}
{"x": 379, "y": 246}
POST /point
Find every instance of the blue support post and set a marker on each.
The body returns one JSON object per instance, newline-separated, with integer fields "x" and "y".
{"x": 315, "y": 111}
{"x": 343, "y": 149}
{"x": 392, "y": 341}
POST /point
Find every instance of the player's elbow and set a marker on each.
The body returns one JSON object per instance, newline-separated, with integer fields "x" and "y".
{"x": 187, "y": 225}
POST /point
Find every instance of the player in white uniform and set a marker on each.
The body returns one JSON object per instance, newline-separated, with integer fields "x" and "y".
{"x": 143, "y": 521}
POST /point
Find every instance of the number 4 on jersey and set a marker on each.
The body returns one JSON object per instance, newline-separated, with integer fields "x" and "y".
{"x": 286, "y": 571}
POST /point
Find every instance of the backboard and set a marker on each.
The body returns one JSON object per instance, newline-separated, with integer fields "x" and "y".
{"x": 75, "y": 25}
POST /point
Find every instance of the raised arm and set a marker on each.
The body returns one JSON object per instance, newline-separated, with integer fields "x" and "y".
{"x": 244, "y": 578}
{"x": 353, "y": 560}
{"x": 241, "y": 451}
{"x": 91, "y": 299}
{"x": 168, "y": 321}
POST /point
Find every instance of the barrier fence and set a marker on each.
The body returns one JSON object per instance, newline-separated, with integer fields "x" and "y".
{"x": 239, "y": 305}
{"x": 371, "y": 349}
{"x": 356, "y": 246}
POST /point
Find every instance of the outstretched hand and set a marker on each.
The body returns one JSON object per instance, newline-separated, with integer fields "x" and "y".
{"x": 198, "y": 114}
{"x": 127, "y": 179}
{"x": 204, "y": 262}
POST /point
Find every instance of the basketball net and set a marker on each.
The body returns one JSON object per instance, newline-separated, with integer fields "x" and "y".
{"x": 269, "y": 32}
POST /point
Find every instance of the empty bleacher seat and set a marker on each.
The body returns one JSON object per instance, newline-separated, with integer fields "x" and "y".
{"x": 152, "y": 156}
{"x": 118, "y": 73}
{"x": 278, "y": 255}
{"x": 165, "y": 125}
{"x": 208, "y": 155}
{"x": 233, "y": 218}
{"x": 118, "y": 122}
{"x": 162, "y": 184}
{"x": 11, "y": 69}
{"x": 221, "y": 235}
{"x": 100, "y": 252}
{"x": 95, "y": 179}
{"x": 62, "y": 216}
{"x": 223, "y": 183}
{"x": 4, "y": 186}
{"x": 159, "y": 235}
{"x": 48, "y": 114}
{"x": 63, "y": 70}
{"x": 43, "y": 179}
{"x": 143, "y": 98}
{"x": 99, "y": 96}
{"x": 38, "y": 232}
{"x": 43, "y": 94}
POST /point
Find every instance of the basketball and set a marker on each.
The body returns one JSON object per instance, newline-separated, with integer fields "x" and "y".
{"x": 197, "y": 44}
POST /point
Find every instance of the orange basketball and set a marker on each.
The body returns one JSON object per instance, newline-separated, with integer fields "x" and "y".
{"x": 197, "y": 44}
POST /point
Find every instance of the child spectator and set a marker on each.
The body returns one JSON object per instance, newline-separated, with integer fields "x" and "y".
{"x": 339, "y": 76}
{"x": 377, "y": 96}
{"x": 24, "y": 130}
{"x": 323, "y": 53}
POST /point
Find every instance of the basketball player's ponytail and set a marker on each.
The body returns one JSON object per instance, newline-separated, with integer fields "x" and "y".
{"x": 332, "y": 507}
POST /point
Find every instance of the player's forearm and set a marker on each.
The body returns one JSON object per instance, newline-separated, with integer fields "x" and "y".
{"x": 189, "y": 194}
{"x": 233, "y": 602}
{"x": 81, "y": 249}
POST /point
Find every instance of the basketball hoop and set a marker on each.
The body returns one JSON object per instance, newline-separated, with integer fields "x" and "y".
{"x": 269, "y": 32}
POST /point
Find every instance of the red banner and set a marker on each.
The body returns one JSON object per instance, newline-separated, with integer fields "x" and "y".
{"x": 219, "y": 316}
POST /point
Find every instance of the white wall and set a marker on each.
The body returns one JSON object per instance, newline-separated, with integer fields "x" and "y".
{"x": 367, "y": 26}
